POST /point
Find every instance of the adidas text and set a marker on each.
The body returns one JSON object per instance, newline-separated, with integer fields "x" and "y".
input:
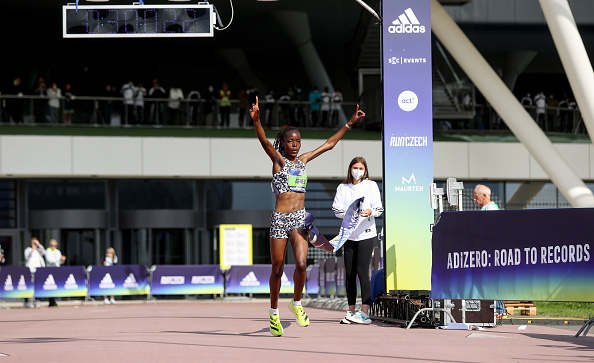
{"x": 406, "y": 29}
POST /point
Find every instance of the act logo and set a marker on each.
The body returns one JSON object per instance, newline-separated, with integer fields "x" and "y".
{"x": 407, "y": 23}
{"x": 408, "y": 101}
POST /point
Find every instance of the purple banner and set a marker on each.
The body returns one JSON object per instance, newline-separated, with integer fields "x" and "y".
{"x": 529, "y": 255}
{"x": 64, "y": 281}
{"x": 408, "y": 142}
{"x": 254, "y": 279}
{"x": 322, "y": 277}
{"x": 312, "y": 285}
{"x": 187, "y": 280}
{"x": 330, "y": 277}
{"x": 118, "y": 280}
{"x": 340, "y": 277}
{"x": 15, "y": 282}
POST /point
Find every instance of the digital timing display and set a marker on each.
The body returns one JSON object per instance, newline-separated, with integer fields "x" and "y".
{"x": 137, "y": 21}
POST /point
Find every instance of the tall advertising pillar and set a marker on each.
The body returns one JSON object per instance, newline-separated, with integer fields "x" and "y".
{"x": 408, "y": 143}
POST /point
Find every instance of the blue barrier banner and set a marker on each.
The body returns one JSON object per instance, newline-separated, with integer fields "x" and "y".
{"x": 535, "y": 255}
{"x": 118, "y": 280}
{"x": 330, "y": 277}
{"x": 312, "y": 284}
{"x": 15, "y": 282}
{"x": 340, "y": 277}
{"x": 322, "y": 277}
{"x": 187, "y": 280}
{"x": 254, "y": 279}
{"x": 64, "y": 281}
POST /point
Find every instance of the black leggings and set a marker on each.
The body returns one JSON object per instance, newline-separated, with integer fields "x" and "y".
{"x": 357, "y": 257}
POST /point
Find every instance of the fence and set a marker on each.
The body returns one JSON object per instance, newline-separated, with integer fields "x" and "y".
{"x": 162, "y": 112}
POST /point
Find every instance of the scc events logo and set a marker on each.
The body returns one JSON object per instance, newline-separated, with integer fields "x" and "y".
{"x": 407, "y": 23}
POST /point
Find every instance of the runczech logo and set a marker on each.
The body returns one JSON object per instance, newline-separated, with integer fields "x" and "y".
{"x": 407, "y": 23}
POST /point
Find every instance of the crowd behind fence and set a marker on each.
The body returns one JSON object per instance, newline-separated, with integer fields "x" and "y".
{"x": 157, "y": 112}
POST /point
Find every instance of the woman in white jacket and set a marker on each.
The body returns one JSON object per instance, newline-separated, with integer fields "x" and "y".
{"x": 359, "y": 246}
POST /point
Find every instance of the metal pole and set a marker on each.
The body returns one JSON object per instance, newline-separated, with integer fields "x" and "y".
{"x": 506, "y": 104}
{"x": 573, "y": 55}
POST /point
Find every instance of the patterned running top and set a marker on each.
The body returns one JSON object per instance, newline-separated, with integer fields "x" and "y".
{"x": 292, "y": 178}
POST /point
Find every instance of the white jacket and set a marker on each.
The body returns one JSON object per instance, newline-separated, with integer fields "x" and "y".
{"x": 347, "y": 193}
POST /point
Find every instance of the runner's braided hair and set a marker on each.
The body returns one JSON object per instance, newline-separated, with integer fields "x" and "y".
{"x": 280, "y": 139}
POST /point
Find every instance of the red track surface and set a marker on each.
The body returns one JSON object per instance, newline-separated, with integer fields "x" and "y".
{"x": 209, "y": 331}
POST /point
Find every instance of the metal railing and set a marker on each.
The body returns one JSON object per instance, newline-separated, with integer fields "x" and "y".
{"x": 163, "y": 112}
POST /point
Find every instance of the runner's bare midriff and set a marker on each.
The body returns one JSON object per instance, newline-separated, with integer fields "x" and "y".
{"x": 290, "y": 202}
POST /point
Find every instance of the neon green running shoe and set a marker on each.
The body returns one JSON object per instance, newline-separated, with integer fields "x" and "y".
{"x": 300, "y": 314}
{"x": 275, "y": 325}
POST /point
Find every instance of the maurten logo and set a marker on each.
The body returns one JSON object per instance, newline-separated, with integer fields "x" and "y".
{"x": 406, "y": 23}
{"x": 250, "y": 280}
{"x": 285, "y": 280}
{"x": 409, "y": 185}
{"x": 22, "y": 285}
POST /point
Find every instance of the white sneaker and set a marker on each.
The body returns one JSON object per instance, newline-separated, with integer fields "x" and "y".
{"x": 360, "y": 318}
{"x": 112, "y": 301}
{"x": 106, "y": 301}
{"x": 346, "y": 320}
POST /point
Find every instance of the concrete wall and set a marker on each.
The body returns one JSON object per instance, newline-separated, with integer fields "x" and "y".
{"x": 163, "y": 157}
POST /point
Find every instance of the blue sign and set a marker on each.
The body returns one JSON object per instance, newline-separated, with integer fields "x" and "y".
{"x": 118, "y": 280}
{"x": 187, "y": 280}
{"x": 531, "y": 255}
{"x": 312, "y": 283}
{"x": 65, "y": 281}
{"x": 15, "y": 282}
{"x": 254, "y": 279}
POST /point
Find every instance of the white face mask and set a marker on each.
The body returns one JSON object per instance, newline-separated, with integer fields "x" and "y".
{"x": 357, "y": 173}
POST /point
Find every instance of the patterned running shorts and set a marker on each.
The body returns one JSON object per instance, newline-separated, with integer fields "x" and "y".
{"x": 282, "y": 224}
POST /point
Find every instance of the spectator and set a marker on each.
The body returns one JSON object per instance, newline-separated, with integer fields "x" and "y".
{"x": 68, "y": 98}
{"x": 268, "y": 108}
{"x": 225, "y": 105}
{"x": 242, "y": 97}
{"x": 16, "y": 106}
{"x": 299, "y": 114}
{"x": 39, "y": 104}
{"x": 566, "y": 108}
{"x": 55, "y": 95}
{"x": 194, "y": 97}
{"x": 110, "y": 259}
{"x": 315, "y": 98}
{"x": 209, "y": 105}
{"x": 157, "y": 93}
{"x": 540, "y": 102}
{"x": 139, "y": 103}
{"x": 336, "y": 105}
{"x": 2, "y": 259}
{"x": 53, "y": 258}
{"x": 128, "y": 91}
{"x": 526, "y": 101}
{"x": 285, "y": 115}
{"x": 33, "y": 260}
{"x": 108, "y": 103}
{"x": 552, "y": 112}
{"x": 175, "y": 97}
{"x": 325, "y": 108}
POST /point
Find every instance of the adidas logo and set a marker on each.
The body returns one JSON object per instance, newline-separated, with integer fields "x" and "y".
{"x": 70, "y": 283}
{"x": 285, "y": 280}
{"x": 203, "y": 280}
{"x": 8, "y": 284}
{"x": 250, "y": 280}
{"x": 50, "y": 283}
{"x": 406, "y": 23}
{"x": 106, "y": 282}
{"x": 130, "y": 281}
{"x": 22, "y": 285}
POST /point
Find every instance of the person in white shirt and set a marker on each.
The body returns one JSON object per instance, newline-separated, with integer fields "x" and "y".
{"x": 53, "y": 258}
{"x": 33, "y": 260}
{"x": 482, "y": 197}
{"x": 176, "y": 95}
{"x": 358, "y": 248}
